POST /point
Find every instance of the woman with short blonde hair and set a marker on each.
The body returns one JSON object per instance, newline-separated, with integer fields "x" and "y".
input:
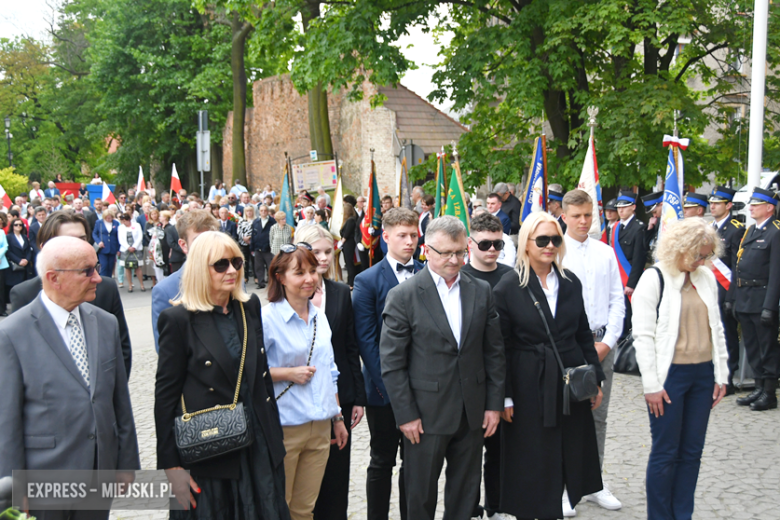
{"x": 212, "y": 347}
{"x": 682, "y": 356}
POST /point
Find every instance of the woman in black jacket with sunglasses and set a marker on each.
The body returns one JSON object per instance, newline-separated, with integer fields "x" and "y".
{"x": 561, "y": 448}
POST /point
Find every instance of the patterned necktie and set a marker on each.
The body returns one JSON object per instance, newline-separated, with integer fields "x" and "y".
{"x": 78, "y": 347}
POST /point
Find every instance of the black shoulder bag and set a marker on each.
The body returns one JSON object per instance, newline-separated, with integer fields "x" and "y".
{"x": 625, "y": 353}
{"x": 579, "y": 383}
{"x": 215, "y": 431}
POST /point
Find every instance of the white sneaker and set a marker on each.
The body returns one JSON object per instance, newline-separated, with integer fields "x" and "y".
{"x": 498, "y": 516}
{"x": 605, "y": 499}
{"x": 568, "y": 511}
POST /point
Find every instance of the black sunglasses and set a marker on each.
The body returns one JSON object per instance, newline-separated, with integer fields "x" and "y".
{"x": 18, "y": 225}
{"x": 222, "y": 265}
{"x": 484, "y": 245}
{"x": 88, "y": 272}
{"x": 290, "y": 248}
{"x": 543, "y": 240}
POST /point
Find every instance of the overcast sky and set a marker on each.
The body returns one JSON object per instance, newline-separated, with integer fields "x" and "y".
{"x": 18, "y": 17}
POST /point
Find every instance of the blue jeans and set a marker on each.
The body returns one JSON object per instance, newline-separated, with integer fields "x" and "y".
{"x": 678, "y": 441}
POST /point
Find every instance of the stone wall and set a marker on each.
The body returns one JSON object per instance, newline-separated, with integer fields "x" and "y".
{"x": 279, "y": 122}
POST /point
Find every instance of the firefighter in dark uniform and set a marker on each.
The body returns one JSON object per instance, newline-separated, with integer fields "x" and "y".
{"x": 694, "y": 205}
{"x": 653, "y": 206}
{"x": 611, "y": 216}
{"x": 730, "y": 231}
{"x": 630, "y": 247}
{"x": 555, "y": 205}
{"x": 755, "y": 297}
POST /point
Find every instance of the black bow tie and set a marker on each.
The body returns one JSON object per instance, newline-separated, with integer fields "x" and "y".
{"x": 401, "y": 267}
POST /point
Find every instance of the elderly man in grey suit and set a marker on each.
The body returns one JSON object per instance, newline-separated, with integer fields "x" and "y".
{"x": 443, "y": 366}
{"x": 65, "y": 402}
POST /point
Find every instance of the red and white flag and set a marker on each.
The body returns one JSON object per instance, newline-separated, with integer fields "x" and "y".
{"x": 175, "y": 181}
{"x": 107, "y": 197}
{"x": 140, "y": 185}
{"x": 5, "y": 198}
{"x": 589, "y": 183}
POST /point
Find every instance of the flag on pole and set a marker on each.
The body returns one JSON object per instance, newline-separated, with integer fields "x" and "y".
{"x": 589, "y": 182}
{"x": 373, "y": 217}
{"x": 175, "y": 181}
{"x": 441, "y": 189}
{"x": 7, "y": 202}
{"x": 456, "y": 197}
{"x": 140, "y": 185}
{"x": 337, "y": 216}
{"x": 672, "y": 206}
{"x": 107, "y": 197}
{"x": 285, "y": 199}
{"x": 404, "y": 191}
{"x": 535, "y": 194}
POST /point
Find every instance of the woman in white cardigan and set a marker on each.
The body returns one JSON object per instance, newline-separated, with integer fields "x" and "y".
{"x": 681, "y": 352}
{"x": 131, "y": 245}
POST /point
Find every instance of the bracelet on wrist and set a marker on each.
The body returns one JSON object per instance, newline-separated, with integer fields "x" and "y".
{"x": 338, "y": 418}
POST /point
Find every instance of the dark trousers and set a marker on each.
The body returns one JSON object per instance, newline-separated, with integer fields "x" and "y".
{"x": 491, "y": 471}
{"x": 247, "y": 261}
{"x": 4, "y": 295}
{"x": 385, "y": 443}
{"x": 627, "y": 318}
{"x": 761, "y": 347}
{"x": 263, "y": 261}
{"x": 107, "y": 264}
{"x": 732, "y": 340}
{"x": 463, "y": 452}
{"x": 333, "y": 499}
{"x": 349, "y": 262}
{"x": 678, "y": 440}
{"x": 175, "y": 266}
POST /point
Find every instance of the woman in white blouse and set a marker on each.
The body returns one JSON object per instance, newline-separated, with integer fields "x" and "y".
{"x": 308, "y": 213}
{"x": 681, "y": 352}
{"x": 131, "y": 239}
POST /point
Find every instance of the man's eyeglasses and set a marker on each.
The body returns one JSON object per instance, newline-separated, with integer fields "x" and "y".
{"x": 543, "y": 240}
{"x": 448, "y": 254}
{"x": 290, "y": 248}
{"x": 88, "y": 271}
{"x": 222, "y": 265}
{"x": 484, "y": 245}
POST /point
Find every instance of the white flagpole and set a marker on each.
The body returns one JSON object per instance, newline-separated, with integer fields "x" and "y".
{"x": 758, "y": 66}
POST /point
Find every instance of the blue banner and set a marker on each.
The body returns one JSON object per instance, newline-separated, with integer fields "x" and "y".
{"x": 285, "y": 200}
{"x": 672, "y": 208}
{"x": 535, "y": 196}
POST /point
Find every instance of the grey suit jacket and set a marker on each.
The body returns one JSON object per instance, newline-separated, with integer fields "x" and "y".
{"x": 424, "y": 372}
{"x": 50, "y": 418}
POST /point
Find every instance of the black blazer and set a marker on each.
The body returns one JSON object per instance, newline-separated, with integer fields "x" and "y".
{"x": 632, "y": 241}
{"x": 106, "y": 298}
{"x": 16, "y": 253}
{"x": 338, "y": 310}
{"x": 261, "y": 236}
{"x": 347, "y": 231}
{"x": 730, "y": 233}
{"x": 32, "y": 234}
{"x": 194, "y": 361}
{"x": 175, "y": 255}
{"x": 230, "y": 229}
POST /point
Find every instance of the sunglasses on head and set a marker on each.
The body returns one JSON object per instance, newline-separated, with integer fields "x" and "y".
{"x": 543, "y": 240}
{"x": 222, "y": 265}
{"x": 290, "y": 248}
{"x": 484, "y": 245}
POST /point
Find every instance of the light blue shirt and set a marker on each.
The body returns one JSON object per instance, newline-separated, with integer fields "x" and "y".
{"x": 288, "y": 341}
{"x": 237, "y": 190}
{"x": 213, "y": 192}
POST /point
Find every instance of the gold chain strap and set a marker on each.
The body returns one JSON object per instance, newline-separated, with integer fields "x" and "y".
{"x": 308, "y": 361}
{"x": 187, "y": 416}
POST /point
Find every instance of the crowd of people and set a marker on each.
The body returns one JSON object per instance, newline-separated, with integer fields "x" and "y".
{"x": 452, "y": 342}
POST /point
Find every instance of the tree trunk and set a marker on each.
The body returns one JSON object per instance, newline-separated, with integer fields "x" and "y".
{"x": 319, "y": 121}
{"x": 240, "y": 31}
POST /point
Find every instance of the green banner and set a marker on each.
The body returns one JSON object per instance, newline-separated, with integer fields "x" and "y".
{"x": 456, "y": 200}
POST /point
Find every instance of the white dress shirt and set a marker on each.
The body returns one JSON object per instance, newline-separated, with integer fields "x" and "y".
{"x": 722, "y": 221}
{"x": 60, "y": 317}
{"x": 551, "y": 293}
{"x": 508, "y": 255}
{"x": 596, "y": 266}
{"x": 403, "y": 274}
{"x": 450, "y": 300}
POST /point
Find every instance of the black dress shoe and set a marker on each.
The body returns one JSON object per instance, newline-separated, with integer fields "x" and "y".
{"x": 766, "y": 401}
{"x": 730, "y": 389}
{"x": 752, "y": 396}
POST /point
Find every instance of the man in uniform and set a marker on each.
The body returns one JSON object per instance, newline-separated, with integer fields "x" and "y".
{"x": 611, "y": 216}
{"x": 730, "y": 231}
{"x": 555, "y": 204}
{"x": 695, "y": 205}
{"x": 628, "y": 241}
{"x": 756, "y": 296}
{"x": 653, "y": 206}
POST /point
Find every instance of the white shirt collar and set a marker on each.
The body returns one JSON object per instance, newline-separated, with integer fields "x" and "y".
{"x": 393, "y": 262}
{"x": 439, "y": 280}
{"x": 722, "y": 221}
{"x": 573, "y": 243}
{"x": 625, "y": 222}
{"x": 58, "y": 314}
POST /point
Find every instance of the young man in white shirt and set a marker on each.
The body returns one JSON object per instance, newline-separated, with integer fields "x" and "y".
{"x": 595, "y": 264}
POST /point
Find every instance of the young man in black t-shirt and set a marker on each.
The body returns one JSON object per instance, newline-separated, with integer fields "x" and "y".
{"x": 485, "y": 244}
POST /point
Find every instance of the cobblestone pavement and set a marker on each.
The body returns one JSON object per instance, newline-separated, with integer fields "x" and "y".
{"x": 739, "y": 475}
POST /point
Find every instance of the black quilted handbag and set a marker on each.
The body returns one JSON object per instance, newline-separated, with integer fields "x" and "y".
{"x": 212, "y": 432}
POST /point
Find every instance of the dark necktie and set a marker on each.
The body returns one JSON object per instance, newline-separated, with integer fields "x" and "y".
{"x": 400, "y": 267}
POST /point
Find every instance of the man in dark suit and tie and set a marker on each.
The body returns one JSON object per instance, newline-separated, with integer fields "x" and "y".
{"x": 35, "y": 226}
{"x": 493, "y": 204}
{"x": 368, "y": 302}
{"x": 628, "y": 241}
{"x": 66, "y": 403}
{"x": 226, "y": 225}
{"x": 443, "y": 365}
{"x": 68, "y": 223}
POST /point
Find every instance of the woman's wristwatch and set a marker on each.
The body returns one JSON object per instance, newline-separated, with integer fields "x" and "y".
{"x": 338, "y": 418}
